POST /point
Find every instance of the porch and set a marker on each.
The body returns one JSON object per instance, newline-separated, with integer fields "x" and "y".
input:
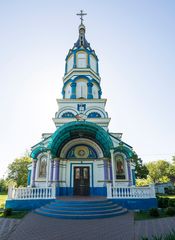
{"x": 129, "y": 197}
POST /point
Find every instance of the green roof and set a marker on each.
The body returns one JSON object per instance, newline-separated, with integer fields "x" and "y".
{"x": 80, "y": 129}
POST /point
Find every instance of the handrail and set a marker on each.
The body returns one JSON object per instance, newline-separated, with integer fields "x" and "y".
{"x": 130, "y": 192}
{"x": 32, "y": 193}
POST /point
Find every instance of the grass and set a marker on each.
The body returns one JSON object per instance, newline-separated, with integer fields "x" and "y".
{"x": 15, "y": 214}
{"x": 167, "y": 196}
{"x": 144, "y": 215}
{"x": 3, "y": 197}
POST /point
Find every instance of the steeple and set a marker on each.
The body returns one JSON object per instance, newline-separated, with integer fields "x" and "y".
{"x": 81, "y": 40}
{"x": 82, "y": 94}
{"x": 81, "y": 79}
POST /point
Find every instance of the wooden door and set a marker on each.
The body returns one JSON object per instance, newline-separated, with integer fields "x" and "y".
{"x": 81, "y": 181}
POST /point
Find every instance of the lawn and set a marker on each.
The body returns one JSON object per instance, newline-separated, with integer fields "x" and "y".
{"x": 167, "y": 196}
{"x": 15, "y": 214}
{"x": 144, "y": 215}
{"x": 3, "y": 197}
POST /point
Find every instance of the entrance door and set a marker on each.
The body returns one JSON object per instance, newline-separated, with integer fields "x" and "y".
{"x": 81, "y": 181}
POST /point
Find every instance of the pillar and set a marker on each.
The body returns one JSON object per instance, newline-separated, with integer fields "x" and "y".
{"x": 88, "y": 65}
{"x": 47, "y": 169}
{"x": 75, "y": 61}
{"x": 113, "y": 167}
{"x": 99, "y": 94}
{"x": 129, "y": 172}
{"x": 89, "y": 85}
{"x": 73, "y": 92}
{"x": 56, "y": 171}
{"x": 33, "y": 172}
{"x": 105, "y": 170}
{"x": 97, "y": 68}
{"x": 51, "y": 171}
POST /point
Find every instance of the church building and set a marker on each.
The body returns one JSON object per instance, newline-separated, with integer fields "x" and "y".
{"x": 82, "y": 157}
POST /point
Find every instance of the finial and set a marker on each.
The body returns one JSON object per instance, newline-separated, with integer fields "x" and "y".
{"x": 81, "y": 14}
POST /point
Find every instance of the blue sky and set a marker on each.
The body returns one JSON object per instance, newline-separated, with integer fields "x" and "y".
{"x": 134, "y": 41}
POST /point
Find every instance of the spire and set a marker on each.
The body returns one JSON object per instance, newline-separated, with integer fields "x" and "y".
{"x": 82, "y": 40}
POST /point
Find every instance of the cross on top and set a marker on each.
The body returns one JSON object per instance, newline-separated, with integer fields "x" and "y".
{"x": 81, "y": 14}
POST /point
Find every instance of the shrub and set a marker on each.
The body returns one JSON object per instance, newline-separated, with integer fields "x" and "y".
{"x": 162, "y": 202}
{"x": 7, "y": 212}
{"x": 171, "y": 203}
{"x": 153, "y": 212}
{"x": 170, "y": 211}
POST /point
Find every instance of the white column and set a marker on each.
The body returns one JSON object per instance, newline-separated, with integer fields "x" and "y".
{"x": 33, "y": 173}
{"x": 47, "y": 169}
{"x": 113, "y": 168}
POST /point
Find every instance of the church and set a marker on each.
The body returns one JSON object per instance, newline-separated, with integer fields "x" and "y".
{"x": 83, "y": 154}
{"x": 82, "y": 157}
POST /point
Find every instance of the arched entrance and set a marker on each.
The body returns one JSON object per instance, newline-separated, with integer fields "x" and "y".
{"x": 81, "y": 148}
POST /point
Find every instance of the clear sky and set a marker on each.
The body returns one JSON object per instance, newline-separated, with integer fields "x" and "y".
{"x": 135, "y": 43}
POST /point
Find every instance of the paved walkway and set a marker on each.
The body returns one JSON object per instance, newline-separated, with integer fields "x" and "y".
{"x": 37, "y": 227}
{"x": 7, "y": 226}
{"x": 158, "y": 227}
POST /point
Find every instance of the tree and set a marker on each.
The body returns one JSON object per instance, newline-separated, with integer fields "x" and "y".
{"x": 140, "y": 169}
{"x": 3, "y": 185}
{"x": 171, "y": 173}
{"x": 18, "y": 170}
{"x": 143, "y": 181}
{"x": 159, "y": 170}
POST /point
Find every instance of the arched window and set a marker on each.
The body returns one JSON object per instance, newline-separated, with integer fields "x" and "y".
{"x": 70, "y": 63}
{"x": 68, "y": 115}
{"x": 81, "y": 60}
{"x": 120, "y": 167}
{"x": 94, "y": 115}
{"x": 93, "y": 63}
{"x": 42, "y": 167}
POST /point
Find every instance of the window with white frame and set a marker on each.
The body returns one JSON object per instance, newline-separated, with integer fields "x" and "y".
{"x": 81, "y": 60}
{"x": 93, "y": 63}
{"x": 70, "y": 63}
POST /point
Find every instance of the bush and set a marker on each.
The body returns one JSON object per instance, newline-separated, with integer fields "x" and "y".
{"x": 171, "y": 202}
{"x": 7, "y": 212}
{"x": 153, "y": 212}
{"x": 170, "y": 211}
{"x": 163, "y": 202}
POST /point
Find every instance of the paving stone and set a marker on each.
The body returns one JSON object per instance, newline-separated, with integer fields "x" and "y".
{"x": 38, "y": 227}
{"x": 157, "y": 227}
{"x": 7, "y": 225}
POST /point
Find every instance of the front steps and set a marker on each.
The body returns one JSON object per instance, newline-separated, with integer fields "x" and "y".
{"x": 81, "y": 209}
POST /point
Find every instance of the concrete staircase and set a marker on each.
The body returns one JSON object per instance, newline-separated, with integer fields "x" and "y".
{"x": 81, "y": 209}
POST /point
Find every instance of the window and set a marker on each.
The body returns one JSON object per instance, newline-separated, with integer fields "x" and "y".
{"x": 81, "y": 60}
{"x": 93, "y": 63}
{"x": 120, "y": 167}
{"x": 94, "y": 115}
{"x": 68, "y": 115}
{"x": 70, "y": 63}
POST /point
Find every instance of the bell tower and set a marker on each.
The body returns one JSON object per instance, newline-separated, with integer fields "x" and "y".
{"x": 81, "y": 85}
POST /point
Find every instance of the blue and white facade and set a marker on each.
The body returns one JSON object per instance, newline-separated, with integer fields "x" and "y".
{"x": 82, "y": 156}
{"x": 82, "y": 106}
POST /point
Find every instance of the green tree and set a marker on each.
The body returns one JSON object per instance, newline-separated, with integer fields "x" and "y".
{"x": 159, "y": 170}
{"x": 3, "y": 185}
{"x": 143, "y": 181}
{"x": 18, "y": 170}
{"x": 140, "y": 169}
{"x": 171, "y": 173}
